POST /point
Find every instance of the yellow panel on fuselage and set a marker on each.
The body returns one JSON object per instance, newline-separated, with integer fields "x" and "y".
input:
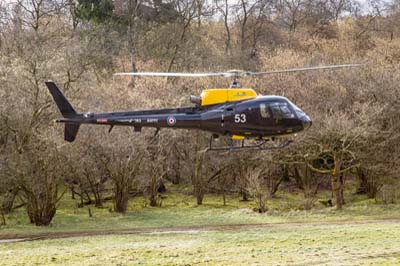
{"x": 237, "y": 137}
{"x": 216, "y": 96}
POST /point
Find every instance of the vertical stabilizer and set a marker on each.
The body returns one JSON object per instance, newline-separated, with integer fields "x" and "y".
{"x": 62, "y": 102}
{"x": 66, "y": 109}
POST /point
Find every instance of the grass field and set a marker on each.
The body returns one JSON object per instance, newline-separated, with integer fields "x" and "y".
{"x": 180, "y": 210}
{"x": 182, "y": 233}
{"x": 328, "y": 244}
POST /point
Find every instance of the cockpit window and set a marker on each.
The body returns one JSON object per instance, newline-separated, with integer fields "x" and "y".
{"x": 281, "y": 110}
{"x": 263, "y": 111}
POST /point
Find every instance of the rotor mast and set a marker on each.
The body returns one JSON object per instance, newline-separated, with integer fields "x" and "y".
{"x": 235, "y": 75}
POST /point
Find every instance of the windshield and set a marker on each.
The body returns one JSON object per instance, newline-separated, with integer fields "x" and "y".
{"x": 298, "y": 111}
{"x": 281, "y": 110}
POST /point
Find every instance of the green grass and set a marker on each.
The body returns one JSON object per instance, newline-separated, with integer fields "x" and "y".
{"x": 289, "y": 236}
{"x": 180, "y": 210}
{"x": 344, "y": 244}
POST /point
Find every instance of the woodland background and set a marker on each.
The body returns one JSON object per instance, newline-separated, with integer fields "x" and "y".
{"x": 80, "y": 44}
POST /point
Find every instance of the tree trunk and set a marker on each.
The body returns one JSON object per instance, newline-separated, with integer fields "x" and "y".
{"x": 199, "y": 196}
{"x": 98, "y": 201}
{"x": 177, "y": 179}
{"x": 337, "y": 188}
{"x": 132, "y": 35}
{"x": 152, "y": 190}
{"x": 363, "y": 185}
{"x": 121, "y": 197}
{"x": 261, "y": 202}
{"x": 153, "y": 201}
{"x": 341, "y": 180}
{"x": 41, "y": 213}
{"x": 177, "y": 170}
{"x": 3, "y": 218}
{"x": 245, "y": 196}
{"x": 198, "y": 182}
{"x": 8, "y": 202}
{"x": 81, "y": 196}
{"x": 72, "y": 193}
{"x": 227, "y": 29}
{"x": 337, "y": 180}
{"x": 366, "y": 186}
{"x": 297, "y": 178}
{"x": 41, "y": 202}
{"x": 275, "y": 187}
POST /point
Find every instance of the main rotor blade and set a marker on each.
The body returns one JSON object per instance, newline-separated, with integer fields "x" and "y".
{"x": 232, "y": 73}
{"x": 302, "y": 69}
{"x": 170, "y": 74}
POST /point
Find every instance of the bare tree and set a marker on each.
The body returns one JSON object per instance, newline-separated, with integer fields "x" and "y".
{"x": 224, "y": 9}
{"x": 188, "y": 11}
{"x": 39, "y": 171}
{"x": 37, "y": 11}
{"x": 155, "y": 171}
{"x": 207, "y": 169}
{"x": 334, "y": 155}
{"x": 89, "y": 177}
{"x": 257, "y": 188}
{"x": 122, "y": 166}
{"x": 338, "y": 7}
{"x": 251, "y": 16}
{"x": 71, "y": 6}
{"x": 291, "y": 12}
{"x": 199, "y": 177}
{"x": 310, "y": 183}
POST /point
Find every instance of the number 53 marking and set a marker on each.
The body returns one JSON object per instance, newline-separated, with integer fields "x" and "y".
{"x": 240, "y": 118}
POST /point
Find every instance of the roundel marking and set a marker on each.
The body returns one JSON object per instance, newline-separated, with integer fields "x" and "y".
{"x": 171, "y": 120}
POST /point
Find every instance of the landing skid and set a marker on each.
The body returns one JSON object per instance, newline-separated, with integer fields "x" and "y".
{"x": 261, "y": 145}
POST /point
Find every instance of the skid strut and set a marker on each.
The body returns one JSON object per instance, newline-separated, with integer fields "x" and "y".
{"x": 261, "y": 145}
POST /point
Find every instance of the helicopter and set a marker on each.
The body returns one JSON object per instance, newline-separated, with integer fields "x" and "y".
{"x": 238, "y": 113}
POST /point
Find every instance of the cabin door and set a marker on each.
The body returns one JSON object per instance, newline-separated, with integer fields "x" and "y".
{"x": 228, "y": 118}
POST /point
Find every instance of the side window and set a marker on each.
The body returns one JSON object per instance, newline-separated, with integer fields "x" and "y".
{"x": 264, "y": 111}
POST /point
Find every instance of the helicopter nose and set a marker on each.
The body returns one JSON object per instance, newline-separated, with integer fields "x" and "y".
{"x": 306, "y": 121}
